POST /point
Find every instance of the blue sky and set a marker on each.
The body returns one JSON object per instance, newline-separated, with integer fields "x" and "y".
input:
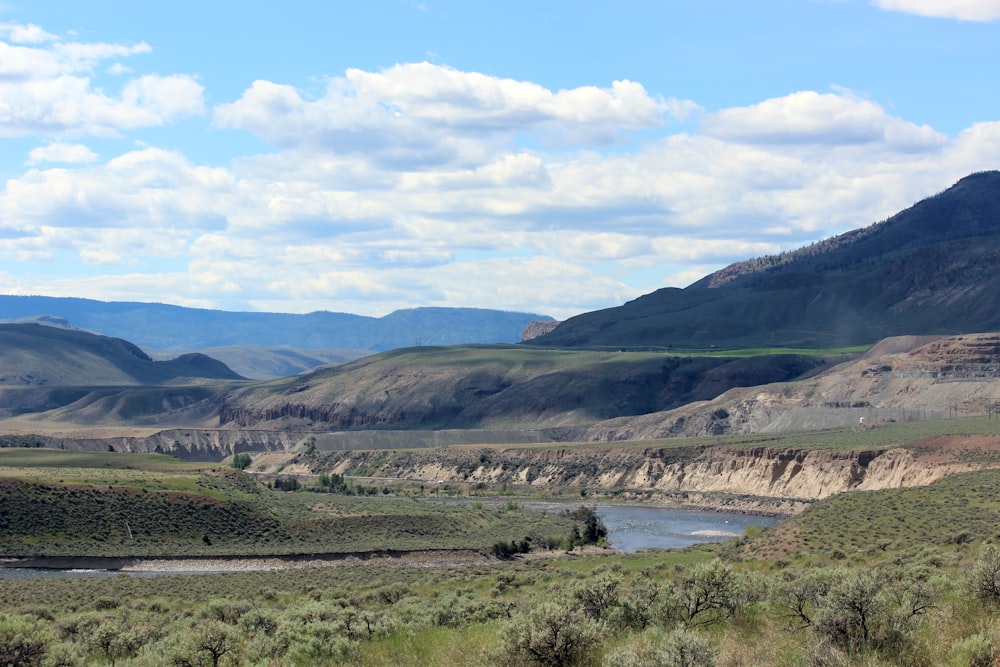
{"x": 548, "y": 156}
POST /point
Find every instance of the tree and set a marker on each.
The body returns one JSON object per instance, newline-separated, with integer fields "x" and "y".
{"x": 242, "y": 461}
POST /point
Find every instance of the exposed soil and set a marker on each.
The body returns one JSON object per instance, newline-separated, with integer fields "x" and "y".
{"x": 958, "y": 448}
{"x": 405, "y": 559}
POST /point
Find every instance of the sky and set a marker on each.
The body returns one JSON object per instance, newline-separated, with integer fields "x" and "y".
{"x": 543, "y": 156}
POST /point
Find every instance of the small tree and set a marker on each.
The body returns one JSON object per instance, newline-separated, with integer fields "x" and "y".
{"x": 242, "y": 461}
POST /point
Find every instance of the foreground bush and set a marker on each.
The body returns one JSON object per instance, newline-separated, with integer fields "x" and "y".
{"x": 24, "y": 641}
{"x": 551, "y": 633}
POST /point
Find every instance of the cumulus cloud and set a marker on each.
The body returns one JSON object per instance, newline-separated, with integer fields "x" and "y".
{"x": 430, "y": 114}
{"x": 408, "y": 187}
{"x": 25, "y": 34}
{"x": 964, "y": 10}
{"x": 47, "y": 87}
{"x": 808, "y": 117}
{"x": 60, "y": 152}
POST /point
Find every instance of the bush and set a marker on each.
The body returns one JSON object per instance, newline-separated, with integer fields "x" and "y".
{"x": 24, "y": 641}
{"x": 242, "y": 461}
{"x": 984, "y": 578}
{"x": 678, "y": 648}
{"x": 974, "y": 651}
{"x": 549, "y": 634}
{"x": 710, "y": 593}
{"x": 205, "y": 645}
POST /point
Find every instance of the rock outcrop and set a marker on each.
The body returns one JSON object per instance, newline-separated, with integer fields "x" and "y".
{"x": 536, "y": 328}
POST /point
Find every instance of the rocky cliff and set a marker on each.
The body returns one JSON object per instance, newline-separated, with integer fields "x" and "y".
{"x": 750, "y": 478}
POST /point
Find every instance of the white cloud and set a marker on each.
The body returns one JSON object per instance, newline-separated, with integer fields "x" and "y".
{"x": 390, "y": 191}
{"x": 808, "y": 117}
{"x": 429, "y": 114}
{"x": 48, "y": 89}
{"x": 473, "y": 100}
{"x": 965, "y": 10}
{"x": 25, "y": 34}
{"x": 60, "y": 152}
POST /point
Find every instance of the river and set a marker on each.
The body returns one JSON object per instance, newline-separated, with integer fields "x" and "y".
{"x": 634, "y": 528}
{"x": 631, "y": 528}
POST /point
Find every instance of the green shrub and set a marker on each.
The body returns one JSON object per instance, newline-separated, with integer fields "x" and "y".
{"x": 710, "y": 593}
{"x": 974, "y": 651}
{"x": 24, "y": 641}
{"x": 206, "y": 644}
{"x": 984, "y": 578}
{"x": 678, "y": 648}
{"x": 551, "y": 634}
{"x": 242, "y": 461}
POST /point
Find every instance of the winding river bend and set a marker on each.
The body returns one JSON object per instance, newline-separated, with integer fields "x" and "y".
{"x": 631, "y": 528}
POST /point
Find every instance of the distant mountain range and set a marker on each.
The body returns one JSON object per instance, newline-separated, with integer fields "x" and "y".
{"x": 157, "y": 326}
{"x": 931, "y": 269}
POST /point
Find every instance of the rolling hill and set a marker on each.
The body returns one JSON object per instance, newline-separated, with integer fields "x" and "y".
{"x": 38, "y": 355}
{"x": 931, "y": 269}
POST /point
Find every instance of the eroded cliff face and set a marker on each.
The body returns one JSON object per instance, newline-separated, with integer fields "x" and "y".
{"x": 945, "y": 378}
{"x": 756, "y": 478}
{"x": 188, "y": 444}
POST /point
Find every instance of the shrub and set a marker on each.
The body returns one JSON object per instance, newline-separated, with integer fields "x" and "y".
{"x": 984, "y": 578}
{"x": 974, "y": 651}
{"x": 678, "y": 648}
{"x": 710, "y": 593}
{"x": 206, "y": 645}
{"x": 317, "y": 643}
{"x": 24, "y": 641}
{"x": 598, "y": 598}
{"x": 242, "y": 461}
{"x": 550, "y": 634}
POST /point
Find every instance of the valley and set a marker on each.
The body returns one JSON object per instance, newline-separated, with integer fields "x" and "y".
{"x": 849, "y": 388}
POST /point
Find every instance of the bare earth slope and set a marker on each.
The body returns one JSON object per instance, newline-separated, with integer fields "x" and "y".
{"x": 949, "y": 377}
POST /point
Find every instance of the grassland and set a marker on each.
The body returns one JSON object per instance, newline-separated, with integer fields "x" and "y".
{"x": 103, "y": 504}
{"x": 726, "y": 605}
{"x": 895, "y": 577}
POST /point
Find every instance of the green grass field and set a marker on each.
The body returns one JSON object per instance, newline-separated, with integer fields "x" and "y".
{"x": 901, "y": 577}
{"x": 102, "y": 504}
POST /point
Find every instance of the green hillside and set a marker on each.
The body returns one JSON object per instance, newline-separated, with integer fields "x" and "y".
{"x": 33, "y": 355}
{"x": 58, "y": 503}
{"x": 502, "y": 386}
{"x": 931, "y": 269}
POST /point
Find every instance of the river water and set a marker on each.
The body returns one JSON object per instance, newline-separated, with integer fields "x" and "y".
{"x": 631, "y": 528}
{"x": 641, "y": 527}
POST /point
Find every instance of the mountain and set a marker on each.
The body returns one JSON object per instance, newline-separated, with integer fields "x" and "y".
{"x": 158, "y": 326}
{"x": 933, "y": 268}
{"x": 35, "y": 355}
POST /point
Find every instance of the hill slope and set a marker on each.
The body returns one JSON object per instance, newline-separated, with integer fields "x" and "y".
{"x": 38, "y": 355}
{"x": 931, "y": 269}
{"x": 495, "y": 387}
{"x": 942, "y": 379}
